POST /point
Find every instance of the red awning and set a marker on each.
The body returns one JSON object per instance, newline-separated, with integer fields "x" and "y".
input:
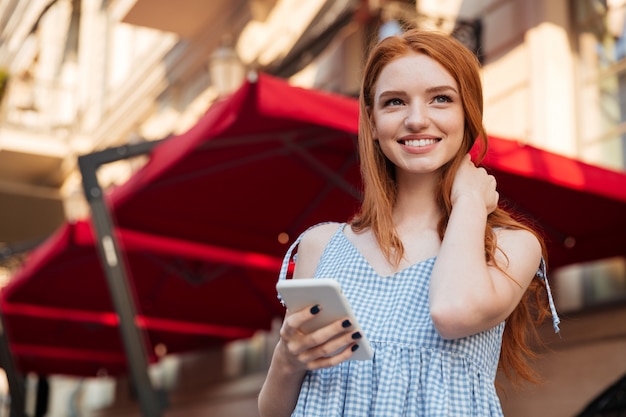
{"x": 276, "y": 158}
{"x": 205, "y": 223}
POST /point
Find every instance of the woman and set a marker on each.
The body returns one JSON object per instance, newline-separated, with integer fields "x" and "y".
{"x": 431, "y": 266}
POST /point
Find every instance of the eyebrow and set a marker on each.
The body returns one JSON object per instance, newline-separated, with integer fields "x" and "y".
{"x": 431, "y": 90}
{"x": 441, "y": 89}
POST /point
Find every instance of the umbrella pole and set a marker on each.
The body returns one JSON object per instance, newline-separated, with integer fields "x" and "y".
{"x": 14, "y": 379}
{"x": 151, "y": 401}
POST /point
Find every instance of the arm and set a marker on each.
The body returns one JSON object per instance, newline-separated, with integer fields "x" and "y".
{"x": 297, "y": 352}
{"x": 467, "y": 295}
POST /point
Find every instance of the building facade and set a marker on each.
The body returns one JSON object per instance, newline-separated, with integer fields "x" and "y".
{"x": 82, "y": 75}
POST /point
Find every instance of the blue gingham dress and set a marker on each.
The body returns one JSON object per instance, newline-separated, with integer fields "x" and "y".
{"x": 414, "y": 371}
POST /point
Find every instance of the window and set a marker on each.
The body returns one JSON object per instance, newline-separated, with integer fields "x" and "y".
{"x": 600, "y": 47}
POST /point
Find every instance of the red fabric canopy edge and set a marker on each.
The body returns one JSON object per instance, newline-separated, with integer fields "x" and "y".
{"x": 110, "y": 319}
{"x": 539, "y": 164}
{"x": 81, "y": 233}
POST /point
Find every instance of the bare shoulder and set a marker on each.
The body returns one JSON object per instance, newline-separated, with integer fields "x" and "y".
{"x": 320, "y": 234}
{"x": 519, "y": 252}
{"x": 518, "y": 239}
{"x": 311, "y": 247}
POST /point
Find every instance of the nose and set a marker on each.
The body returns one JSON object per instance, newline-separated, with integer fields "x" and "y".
{"x": 416, "y": 117}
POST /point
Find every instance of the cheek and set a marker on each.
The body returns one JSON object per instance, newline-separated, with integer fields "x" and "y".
{"x": 460, "y": 121}
{"x": 454, "y": 125}
{"x": 383, "y": 127}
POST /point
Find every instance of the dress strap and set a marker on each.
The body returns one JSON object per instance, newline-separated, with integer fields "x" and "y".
{"x": 284, "y": 268}
{"x": 542, "y": 274}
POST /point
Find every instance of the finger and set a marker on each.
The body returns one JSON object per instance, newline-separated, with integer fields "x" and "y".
{"x": 294, "y": 320}
{"x": 334, "y": 351}
{"x": 326, "y": 362}
{"x": 323, "y": 341}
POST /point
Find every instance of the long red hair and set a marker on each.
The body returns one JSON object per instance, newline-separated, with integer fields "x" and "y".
{"x": 380, "y": 192}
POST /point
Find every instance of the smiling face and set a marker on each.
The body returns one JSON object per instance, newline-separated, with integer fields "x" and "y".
{"x": 417, "y": 114}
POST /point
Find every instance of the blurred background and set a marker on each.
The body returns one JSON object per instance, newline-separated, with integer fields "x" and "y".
{"x": 80, "y": 76}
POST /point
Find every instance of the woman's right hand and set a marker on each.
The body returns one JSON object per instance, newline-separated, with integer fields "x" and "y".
{"x": 322, "y": 348}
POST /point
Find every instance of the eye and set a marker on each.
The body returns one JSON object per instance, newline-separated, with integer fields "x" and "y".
{"x": 393, "y": 102}
{"x": 440, "y": 99}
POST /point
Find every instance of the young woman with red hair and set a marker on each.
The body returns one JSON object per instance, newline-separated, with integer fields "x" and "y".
{"x": 446, "y": 285}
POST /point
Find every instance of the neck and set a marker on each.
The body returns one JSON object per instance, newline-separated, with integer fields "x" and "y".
{"x": 416, "y": 206}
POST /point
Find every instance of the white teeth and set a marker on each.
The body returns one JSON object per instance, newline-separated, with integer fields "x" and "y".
{"x": 420, "y": 142}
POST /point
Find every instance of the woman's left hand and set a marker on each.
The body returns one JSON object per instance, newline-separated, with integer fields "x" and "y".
{"x": 475, "y": 182}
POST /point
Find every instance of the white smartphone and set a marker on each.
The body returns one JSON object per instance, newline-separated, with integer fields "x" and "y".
{"x": 306, "y": 292}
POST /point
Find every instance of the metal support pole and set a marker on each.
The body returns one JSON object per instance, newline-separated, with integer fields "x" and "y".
{"x": 14, "y": 379}
{"x": 151, "y": 401}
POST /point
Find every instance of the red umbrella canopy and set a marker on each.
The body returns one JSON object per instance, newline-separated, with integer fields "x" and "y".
{"x": 59, "y": 316}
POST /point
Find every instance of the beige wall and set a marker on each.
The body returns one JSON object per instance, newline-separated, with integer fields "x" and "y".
{"x": 529, "y": 74}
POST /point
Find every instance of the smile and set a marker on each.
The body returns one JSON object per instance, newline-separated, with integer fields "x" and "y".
{"x": 420, "y": 142}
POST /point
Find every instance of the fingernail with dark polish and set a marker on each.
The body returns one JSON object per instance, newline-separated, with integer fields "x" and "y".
{"x": 315, "y": 309}
{"x": 355, "y": 347}
{"x": 356, "y": 335}
{"x": 346, "y": 323}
